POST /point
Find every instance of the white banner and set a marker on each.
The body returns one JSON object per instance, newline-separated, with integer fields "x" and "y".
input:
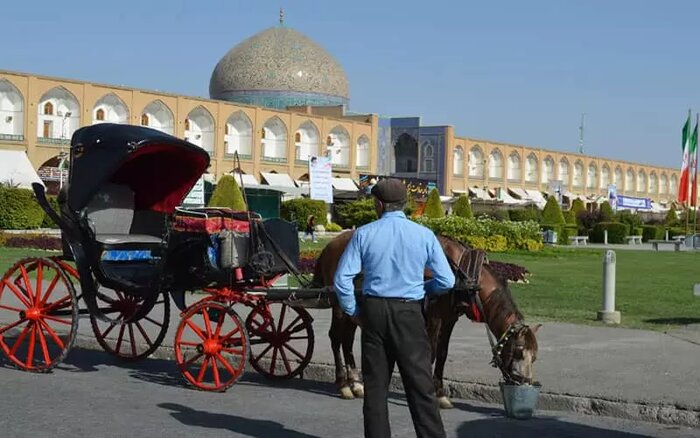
{"x": 321, "y": 179}
{"x": 612, "y": 196}
{"x": 195, "y": 198}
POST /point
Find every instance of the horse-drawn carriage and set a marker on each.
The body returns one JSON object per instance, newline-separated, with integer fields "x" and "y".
{"x": 129, "y": 246}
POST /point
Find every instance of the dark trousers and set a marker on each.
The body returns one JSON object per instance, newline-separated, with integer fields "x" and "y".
{"x": 393, "y": 331}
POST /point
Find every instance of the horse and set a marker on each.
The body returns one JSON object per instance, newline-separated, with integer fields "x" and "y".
{"x": 514, "y": 352}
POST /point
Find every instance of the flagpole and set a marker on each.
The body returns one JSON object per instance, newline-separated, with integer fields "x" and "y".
{"x": 687, "y": 183}
{"x": 693, "y": 190}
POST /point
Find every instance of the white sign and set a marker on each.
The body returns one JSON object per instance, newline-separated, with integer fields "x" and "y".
{"x": 555, "y": 188}
{"x": 321, "y": 179}
{"x": 196, "y": 196}
{"x": 612, "y": 196}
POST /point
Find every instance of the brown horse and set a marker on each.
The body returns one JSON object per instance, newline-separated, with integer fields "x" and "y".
{"x": 513, "y": 353}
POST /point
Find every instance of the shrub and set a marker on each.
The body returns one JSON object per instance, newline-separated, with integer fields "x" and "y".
{"x": 629, "y": 218}
{"x": 636, "y": 231}
{"x": 410, "y": 208}
{"x": 462, "y": 207}
{"x": 48, "y": 222}
{"x": 606, "y": 212}
{"x": 578, "y": 207}
{"x": 516, "y": 234}
{"x": 300, "y": 209}
{"x": 671, "y": 217}
{"x": 676, "y": 231}
{"x": 33, "y": 241}
{"x": 616, "y": 232}
{"x": 493, "y": 243}
{"x": 333, "y": 228}
{"x": 530, "y": 213}
{"x": 356, "y": 213}
{"x": 586, "y": 220}
{"x": 652, "y": 232}
{"x": 19, "y": 210}
{"x": 570, "y": 217}
{"x": 433, "y": 208}
{"x": 552, "y": 212}
{"x": 227, "y": 194}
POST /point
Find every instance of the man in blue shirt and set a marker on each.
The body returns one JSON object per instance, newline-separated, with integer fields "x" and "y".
{"x": 392, "y": 254}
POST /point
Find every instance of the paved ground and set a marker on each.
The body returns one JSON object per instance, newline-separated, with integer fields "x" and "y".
{"x": 91, "y": 395}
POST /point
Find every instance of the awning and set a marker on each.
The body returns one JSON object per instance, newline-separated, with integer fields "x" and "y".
{"x": 480, "y": 193}
{"x": 278, "y": 179}
{"x": 346, "y": 184}
{"x": 248, "y": 180}
{"x": 16, "y": 169}
{"x": 460, "y": 192}
{"x": 520, "y": 193}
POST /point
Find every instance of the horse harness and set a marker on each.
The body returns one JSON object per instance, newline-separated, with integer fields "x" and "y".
{"x": 466, "y": 293}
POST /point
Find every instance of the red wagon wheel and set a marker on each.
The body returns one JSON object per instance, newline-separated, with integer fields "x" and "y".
{"x": 211, "y": 346}
{"x": 281, "y": 339}
{"x": 136, "y": 340}
{"x": 38, "y": 314}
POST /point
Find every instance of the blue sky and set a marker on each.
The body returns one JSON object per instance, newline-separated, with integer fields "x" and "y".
{"x": 510, "y": 71}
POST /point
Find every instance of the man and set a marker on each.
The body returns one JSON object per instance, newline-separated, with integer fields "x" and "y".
{"x": 392, "y": 253}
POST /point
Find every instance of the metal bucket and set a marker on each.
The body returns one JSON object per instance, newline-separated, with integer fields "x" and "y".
{"x": 520, "y": 401}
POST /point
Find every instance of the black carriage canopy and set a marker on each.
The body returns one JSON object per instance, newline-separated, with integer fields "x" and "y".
{"x": 159, "y": 168}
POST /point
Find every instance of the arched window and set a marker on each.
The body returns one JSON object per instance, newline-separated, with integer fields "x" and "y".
{"x": 663, "y": 184}
{"x": 458, "y": 161}
{"x": 496, "y": 164}
{"x": 362, "y": 159}
{"x": 531, "y": 168}
{"x": 274, "y": 143}
{"x": 100, "y": 114}
{"x": 476, "y": 163}
{"x": 548, "y": 170}
{"x": 514, "y": 167}
{"x": 428, "y": 157}
{"x": 48, "y": 109}
{"x": 578, "y": 174}
{"x": 564, "y": 171}
{"x": 592, "y": 182}
{"x": 306, "y": 141}
{"x": 239, "y": 135}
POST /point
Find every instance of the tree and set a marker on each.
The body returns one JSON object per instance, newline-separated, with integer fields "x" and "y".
{"x": 462, "y": 207}
{"x": 606, "y": 212}
{"x": 227, "y": 194}
{"x": 433, "y": 208}
{"x": 552, "y": 212}
{"x": 671, "y": 216}
{"x": 578, "y": 207}
{"x": 411, "y": 207}
{"x": 570, "y": 217}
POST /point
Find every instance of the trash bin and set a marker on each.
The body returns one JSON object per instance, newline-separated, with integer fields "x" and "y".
{"x": 549, "y": 237}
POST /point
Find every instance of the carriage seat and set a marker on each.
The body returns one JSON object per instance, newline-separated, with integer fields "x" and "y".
{"x": 111, "y": 215}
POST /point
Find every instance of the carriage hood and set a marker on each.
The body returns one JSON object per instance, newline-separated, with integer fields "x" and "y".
{"x": 159, "y": 168}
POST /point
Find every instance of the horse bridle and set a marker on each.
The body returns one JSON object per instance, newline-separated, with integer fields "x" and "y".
{"x": 515, "y": 328}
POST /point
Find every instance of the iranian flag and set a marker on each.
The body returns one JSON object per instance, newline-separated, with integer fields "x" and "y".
{"x": 694, "y": 166}
{"x": 685, "y": 168}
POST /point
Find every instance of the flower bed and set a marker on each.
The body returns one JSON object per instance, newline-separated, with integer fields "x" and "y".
{"x": 34, "y": 241}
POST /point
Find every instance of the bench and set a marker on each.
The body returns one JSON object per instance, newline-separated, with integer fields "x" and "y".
{"x": 575, "y": 240}
{"x": 676, "y": 243}
{"x": 633, "y": 240}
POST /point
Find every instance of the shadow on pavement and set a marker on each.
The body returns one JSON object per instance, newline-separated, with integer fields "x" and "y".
{"x": 673, "y": 321}
{"x": 233, "y": 423}
{"x": 536, "y": 428}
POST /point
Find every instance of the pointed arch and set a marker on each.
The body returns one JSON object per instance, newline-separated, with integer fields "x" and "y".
{"x": 476, "y": 162}
{"x": 62, "y": 116}
{"x": 514, "y": 166}
{"x": 629, "y": 181}
{"x": 362, "y": 159}
{"x": 605, "y": 176}
{"x": 548, "y": 173}
{"x": 592, "y": 176}
{"x": 653, "y": 183}
{"x": 458, "y": 161}
{"x": 496, "y": 164}
{"x": 663, "y": 184}
{"x": 428, "y": 156}
{"x": 617, "y": 178}
{"x": 339, "y": 148}
{"x": 11, "y": 111}
{"x": 238, "y": 135}
{"x": 531, "y": 164}
{"x": 306, "y": 141}
{"x": 673, "y": 185}
{"x": 110, "y": 109}
{"x": 642, "y": 181}
{"x": 578, "y": 174}
{"x": 200, "y": 128}
{"x": 564, "y": 174}
{"x": 158, "y": 116}
{"x": 274, "y": 141}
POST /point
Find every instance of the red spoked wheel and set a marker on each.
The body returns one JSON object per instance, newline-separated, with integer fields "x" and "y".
{"x": 135, "y": 340}
{"x": 211, "y": 346}
{"x": 38, "y": 314}
{"x": 281, "y": 339}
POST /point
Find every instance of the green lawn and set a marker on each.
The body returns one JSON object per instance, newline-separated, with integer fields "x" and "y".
{"x": 8, "y": 256}
{"x": 654, "y": 289}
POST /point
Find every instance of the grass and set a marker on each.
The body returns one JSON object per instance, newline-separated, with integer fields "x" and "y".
{"x": 653, "y": 290}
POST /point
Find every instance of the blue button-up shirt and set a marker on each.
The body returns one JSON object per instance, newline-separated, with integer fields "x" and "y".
{"x": 392, "y": 253}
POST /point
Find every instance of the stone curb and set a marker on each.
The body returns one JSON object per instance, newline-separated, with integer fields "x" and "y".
{"x": 586, "y": 405}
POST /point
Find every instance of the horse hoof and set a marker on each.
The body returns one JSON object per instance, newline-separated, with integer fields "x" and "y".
{"x": 445, "y": 402}
{"x": 346, "y": 393}
{"x": 358, "y": 389}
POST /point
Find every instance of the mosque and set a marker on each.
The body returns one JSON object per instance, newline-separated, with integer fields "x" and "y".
{"x": 278, "y": 98}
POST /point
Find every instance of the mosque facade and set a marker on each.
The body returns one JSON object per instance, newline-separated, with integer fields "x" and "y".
{"x": 276, "y": 99}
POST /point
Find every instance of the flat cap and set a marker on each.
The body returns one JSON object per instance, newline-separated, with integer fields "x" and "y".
{"x": 390, "y": 190}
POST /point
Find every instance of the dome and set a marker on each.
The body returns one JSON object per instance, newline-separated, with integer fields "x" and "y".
{"x": 276, "y": 68}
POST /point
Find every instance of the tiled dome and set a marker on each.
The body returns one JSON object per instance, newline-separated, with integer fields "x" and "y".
{"x": 279, "y": 67}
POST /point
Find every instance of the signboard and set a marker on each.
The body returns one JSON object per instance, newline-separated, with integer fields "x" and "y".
{"x": 415, "y": 187}
{"x": 612, "y": 196}
{"x": 196, "y": 196}
{"x": 47, "y": 173}
{"x": 321, "y": 179}
{"x": 635, "y": 203}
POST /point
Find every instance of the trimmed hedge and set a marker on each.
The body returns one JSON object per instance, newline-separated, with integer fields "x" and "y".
{"x": 433, "y": 208}
{"x": 300, "y": 209}
{"x": 616, "y": 232}
{"x": 652, "y": 232}
{"x": 19, "y": 210}
{"x": 552, "y": 212}
{"x": 517, "y": 235}
{"x": 462, "y": 207}
{"x": 333, "y": 228}
{"x": 356, "y": 213}
{"x": 227, "y": 194}
{"x": 48, "y": 222}
{"x": 570, "y": 217}
{"x": 530, "y": 213}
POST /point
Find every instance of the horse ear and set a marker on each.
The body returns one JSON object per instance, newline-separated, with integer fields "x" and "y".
{"x": 535, "y": 328}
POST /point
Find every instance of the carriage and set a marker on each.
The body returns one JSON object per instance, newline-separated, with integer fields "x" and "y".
{"x": 129, "y": 247}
